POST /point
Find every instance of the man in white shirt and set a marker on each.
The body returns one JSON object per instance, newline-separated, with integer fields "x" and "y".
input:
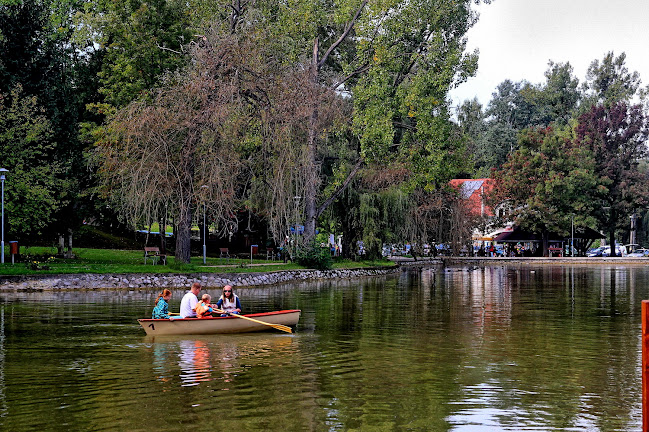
{"x": 189, "y": 301}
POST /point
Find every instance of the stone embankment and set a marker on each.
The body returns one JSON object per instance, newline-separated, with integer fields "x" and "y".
{"x": 137, "y": 281}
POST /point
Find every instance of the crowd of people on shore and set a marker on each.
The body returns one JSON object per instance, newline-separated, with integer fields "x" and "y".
{"x": 191, "y": 307}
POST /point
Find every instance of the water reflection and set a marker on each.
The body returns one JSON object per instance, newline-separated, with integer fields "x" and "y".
{"x": 3, "y": 390}
{"x": 467, "y": 348}
{"x": 194, "y": 362}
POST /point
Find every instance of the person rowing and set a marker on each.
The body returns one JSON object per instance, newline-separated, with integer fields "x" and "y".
{"x": 189, "y": 301}
{"x": 229, "y": 302}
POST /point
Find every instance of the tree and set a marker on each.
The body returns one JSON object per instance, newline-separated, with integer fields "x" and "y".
{"x": 138, "y": 42}
{"x": 33, "y": 187}
{"x": 397, "y": 61}
{"x": 39, "y": 57}
{"x": 162, "y": 149}
{"x": 616, "y": 135}
{"x": 560, "y": 95}
{"x": 545, "y": 182}
{"x": 609, "y": 82}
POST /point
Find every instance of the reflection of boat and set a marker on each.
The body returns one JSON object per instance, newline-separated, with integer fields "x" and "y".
{"x": 213, "y": 325}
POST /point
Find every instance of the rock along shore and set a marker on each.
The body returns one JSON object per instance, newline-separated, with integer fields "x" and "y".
{"x": 131, "y": 281}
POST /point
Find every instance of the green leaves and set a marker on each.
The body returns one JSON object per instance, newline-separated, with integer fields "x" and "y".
{"x": 32, "y": 189}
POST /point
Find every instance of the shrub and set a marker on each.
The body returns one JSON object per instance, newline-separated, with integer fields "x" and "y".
{"x": 314, "y": 256}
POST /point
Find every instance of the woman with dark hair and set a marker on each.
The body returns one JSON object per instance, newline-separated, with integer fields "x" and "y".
{"x": 229, "y": 301}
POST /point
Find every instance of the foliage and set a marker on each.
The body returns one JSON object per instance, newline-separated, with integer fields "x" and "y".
{"x": 139, "y": 42}
{"x": 546, "y": 182}
{"x": 37, "y": 54}
{"x": 181, "y": 146}
{"x": 32, "y": 186}
{"x": 312, "y": 255}
{"x": 616, "y": 135}
{"x": 37, "y": 261}
{"x": 442, "y": 217}
{"x": 609, "y": 82}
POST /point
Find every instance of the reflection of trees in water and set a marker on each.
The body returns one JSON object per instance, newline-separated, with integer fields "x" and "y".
{"x": 559, "y": 362}
{"x": 549, "y": 347}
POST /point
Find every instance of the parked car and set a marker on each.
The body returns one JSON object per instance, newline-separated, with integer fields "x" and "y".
{"x": 620, "y": 251}
{"x": 595, "y": 252}
{"x": 641, "y": 252}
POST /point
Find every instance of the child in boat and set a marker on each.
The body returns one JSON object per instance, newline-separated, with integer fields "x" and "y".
{"x": 229, "y": 302}
{"x": 161, "y": 309}
{"x": 204, "y": 308}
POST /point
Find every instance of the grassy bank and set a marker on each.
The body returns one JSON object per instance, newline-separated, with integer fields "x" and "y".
{"x": 41, "y": 260}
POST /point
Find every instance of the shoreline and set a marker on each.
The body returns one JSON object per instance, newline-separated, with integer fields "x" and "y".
{"x": 94, "y": 281}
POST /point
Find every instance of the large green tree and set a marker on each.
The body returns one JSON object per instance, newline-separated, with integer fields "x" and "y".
{"x": 616, "y": 135}
{"x": 547, "y": 183}
{"x": 609, "y": 81}
{"x": 33, "y": 182}
{"x": 38, "y": 56}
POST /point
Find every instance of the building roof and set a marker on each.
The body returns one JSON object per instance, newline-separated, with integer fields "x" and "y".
{"x": 474, "y": 191}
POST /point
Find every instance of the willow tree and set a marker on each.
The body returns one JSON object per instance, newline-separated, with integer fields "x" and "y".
{"x": 395, "y": 62}
{"x": 180, "y": 146}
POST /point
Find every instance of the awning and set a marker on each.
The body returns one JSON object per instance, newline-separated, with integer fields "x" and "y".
{"x": 519, "y": 235}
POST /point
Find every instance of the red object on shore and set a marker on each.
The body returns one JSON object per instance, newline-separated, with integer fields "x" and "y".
{"x": 645, "y": 365}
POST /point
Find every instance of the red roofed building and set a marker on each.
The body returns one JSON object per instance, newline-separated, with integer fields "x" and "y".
{"x": 475, "y": 192}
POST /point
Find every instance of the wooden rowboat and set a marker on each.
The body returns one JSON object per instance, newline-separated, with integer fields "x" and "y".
{"x": 216, "y": 325}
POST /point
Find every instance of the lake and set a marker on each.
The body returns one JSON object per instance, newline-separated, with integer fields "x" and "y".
{"x": 508, "y": 347}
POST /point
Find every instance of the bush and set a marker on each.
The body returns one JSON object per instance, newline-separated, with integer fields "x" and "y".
{"x": 314, "y": 256}
{"x": 37, "y": 261}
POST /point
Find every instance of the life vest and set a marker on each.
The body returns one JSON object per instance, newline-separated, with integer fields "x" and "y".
{"x": 203, "y": 309}
{"x": 229, "y": 305}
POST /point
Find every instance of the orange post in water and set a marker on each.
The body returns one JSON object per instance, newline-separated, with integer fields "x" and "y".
{"x": 645, "y": 365}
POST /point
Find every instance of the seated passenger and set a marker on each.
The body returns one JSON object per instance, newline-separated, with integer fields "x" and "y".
{"x": 161, "y": 309}
{"x": 204, "y": 308}
{"x": 229, "y": 302}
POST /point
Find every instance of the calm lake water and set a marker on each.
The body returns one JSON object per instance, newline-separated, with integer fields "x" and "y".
{"x": 460, "y": 349}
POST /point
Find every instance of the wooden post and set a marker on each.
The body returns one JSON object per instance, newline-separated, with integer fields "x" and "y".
{"x": 645, "y": 365}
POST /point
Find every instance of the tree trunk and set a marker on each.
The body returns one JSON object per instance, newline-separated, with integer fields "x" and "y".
{"x": 611, "y": 233}
{"x": 311, "y": 189}
{"x": 546, "y": 240}
{"x": 186, "y": 197}
{"x": 183, "y": 233}
{"x": 162, "y": 224}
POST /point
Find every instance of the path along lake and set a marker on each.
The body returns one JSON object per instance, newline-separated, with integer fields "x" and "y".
{"x": 513, "y": 347}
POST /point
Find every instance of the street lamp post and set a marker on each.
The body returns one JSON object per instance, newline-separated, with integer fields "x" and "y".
{"x": 204, "y": 231}
{"x": 572, "y": 234}
{"x": 2, "y": 239}
{"x": 297, "y": 222}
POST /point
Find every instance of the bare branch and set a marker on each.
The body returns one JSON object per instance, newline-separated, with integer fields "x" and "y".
{"x": 358, "y": 71}
{"x": 343, "y": 36}
{"x": 169, "y": 49}
{"x": 341, "y": 189}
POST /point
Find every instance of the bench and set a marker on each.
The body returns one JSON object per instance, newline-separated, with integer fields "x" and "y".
{"x": 153, "y": 254}
{"x": 224, "y": 252}
{"x": 270, "y": 254}
{"x": 552, "y": 251}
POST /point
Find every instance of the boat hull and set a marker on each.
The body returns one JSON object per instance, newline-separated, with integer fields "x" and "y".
{"x": 218, "y": 325}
